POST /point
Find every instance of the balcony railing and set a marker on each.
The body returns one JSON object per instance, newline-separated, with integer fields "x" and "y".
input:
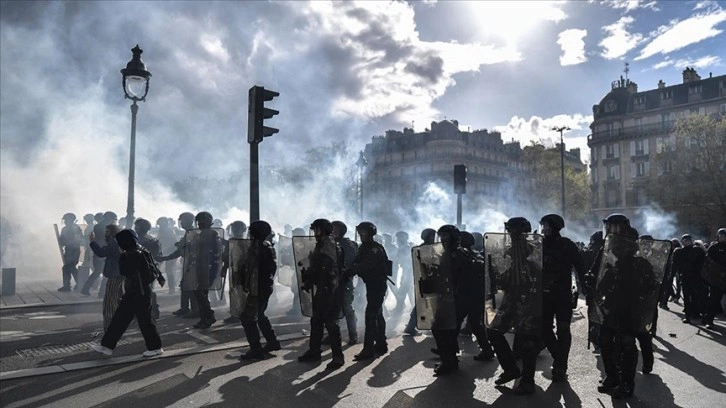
{"x": 635, "y": 131}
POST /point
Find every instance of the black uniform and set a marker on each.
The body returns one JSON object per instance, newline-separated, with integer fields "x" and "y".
{"x": 154, "y": 247}
{"x": 687, "y": 263}
{"x": 71, "y": 237}
{"x": 350, "y": 250}
{"x": 470, "y": 296}
{"x": 323, "y": 278}
{"x": 717, "y": 253}
{"x": 254, "y": 319}
{"x": 559, "y": 256}
{"x": 371, "y": 264}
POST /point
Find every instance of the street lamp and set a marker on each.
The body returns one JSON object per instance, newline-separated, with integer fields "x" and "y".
{"x": 136, "y": 86}
{"x": 562, "y": 163}
{"x": 362, "y": 162}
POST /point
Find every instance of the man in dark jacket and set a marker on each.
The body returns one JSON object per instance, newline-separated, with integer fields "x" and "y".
{"x": 134, "y": 264}
{"x": 559, "y": 256}
{"x": 253, "y": 318}
{"x": 142, "y": 227}
{"x": 716, "y": 255}
{"x": 687, "y": 263}
{"x": 371, "y": 265}
{"x": 323, "y": 279}
{"x": 349, "y": 249}
{"x": 188, "y": 307}
{"x": 70, "y": 241}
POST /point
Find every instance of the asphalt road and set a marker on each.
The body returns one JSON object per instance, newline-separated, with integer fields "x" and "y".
{"x": 689, "y": 371}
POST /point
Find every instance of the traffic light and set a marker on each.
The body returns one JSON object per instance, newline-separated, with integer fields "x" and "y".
{"x": 257, "y": 113}
{"x": 460, "y": 178}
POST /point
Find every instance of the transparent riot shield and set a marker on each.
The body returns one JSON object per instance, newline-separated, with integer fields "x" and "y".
{"x": 285, "y": 262}
{"x": 72, "y": 243}
{"x": 714, "y": 274}
{"x": 302, "y": 249}
{"x": 513, "y": 283}
{"x": 243, "y": 279}
{"x": 434, "y": 288}
{"x": 628, "y": 283}
{"x": 202, "y": 263}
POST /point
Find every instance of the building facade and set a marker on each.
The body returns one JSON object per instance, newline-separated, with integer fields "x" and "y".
{"x": 630, "y": 127}
{"x": 401, "y": 165}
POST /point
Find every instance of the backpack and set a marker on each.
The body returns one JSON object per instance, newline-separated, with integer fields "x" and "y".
{"x": 148, "y": 271}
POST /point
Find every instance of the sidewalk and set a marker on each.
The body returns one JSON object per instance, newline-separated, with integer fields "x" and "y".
{"x": 45, "y": 293}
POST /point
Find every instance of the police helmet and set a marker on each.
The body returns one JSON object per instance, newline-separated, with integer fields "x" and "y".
{"x": 217, "y": 223}
{"x": 467, "y": 239}
{"x": 402, "y": 236}
{"x": 110, "y": 215}
{"x": 616, "y": 218}
{"x": 428, "y": 235}
{"x": 721, "y": 231}
{"x": 260, "y": 229}
{"x": 646, "y": 237}
{"x": 341, "y": 227}
{"x": 324, "y": 224}
{"x": 69, "y": 216}
{"x": 142, "y": 223}
{"x": 186, "y": 218}
{"x": 555, "y": 221}
{"x": 162, "y": 222}
{"x": 298, "y": 232}
{"x": 89, "y": 218}
{"x": 518, "y": 225}
{"x": 204, "y": 217}
{"x": 368, "y": 226}
{"x": 686, "y": 236}
{"x": 451, "y": 230}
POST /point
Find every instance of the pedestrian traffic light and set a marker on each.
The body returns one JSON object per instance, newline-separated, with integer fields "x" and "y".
{"x": 460, "y": 178}
{"x": 257, "y": 113}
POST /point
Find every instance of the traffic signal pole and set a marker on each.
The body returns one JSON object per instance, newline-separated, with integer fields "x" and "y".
{"x": 254, "y": 183}
{"x": 458, "y": 210}
{"x": 256, "y": 132}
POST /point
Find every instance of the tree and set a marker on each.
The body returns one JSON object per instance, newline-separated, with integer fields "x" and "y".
{"x": 545, "y": 187}
{"x": 690, "y": 168}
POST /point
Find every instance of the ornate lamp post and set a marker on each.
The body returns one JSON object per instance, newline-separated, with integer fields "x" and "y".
{"x": 136, "y": 86}
{"x": 562, "y": 163}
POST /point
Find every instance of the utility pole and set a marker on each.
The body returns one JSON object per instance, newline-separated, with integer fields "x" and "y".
{"x": 562, "y": 163}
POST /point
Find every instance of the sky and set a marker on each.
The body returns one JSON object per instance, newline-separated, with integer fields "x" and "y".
{"x": 345, "y": 71}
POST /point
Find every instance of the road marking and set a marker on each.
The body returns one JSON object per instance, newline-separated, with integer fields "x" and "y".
{"x": 202, "y": 337}
{"x": 45, "y": 351}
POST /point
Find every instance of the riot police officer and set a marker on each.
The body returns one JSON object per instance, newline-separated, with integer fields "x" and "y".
{"x": 322, "y": 278}
{"x": 350, "y": 249}
{"x": 717, "y": 254}
{"x": 372, "y": 265}
{"x": 519, "y": 310}
{"x": 188, "y": 306}
{"x": 617, "y": 296}
{"x": 255, "y": 321}
{"x": 428, "y": 236}
{"x": 142, "y": 227}
{"x": 559, "y": 256}
{"x": 70, "y": 241}
{"x": 687, "y": 263}
{"x": 470, "y": 298}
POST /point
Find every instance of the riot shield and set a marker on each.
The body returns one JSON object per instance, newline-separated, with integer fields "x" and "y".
{"x": 243, "y": 279}
{"x": 72, "y": 243}
{"x": 513, "y": 283}
{"x": 714, "y": 274}
{"x": 285, "y": 261}
{"x": 202, "y": 263}
{"x": 628, "y": 283}
{"x": 434, "y": 288}
{"x": 302, "y": 248}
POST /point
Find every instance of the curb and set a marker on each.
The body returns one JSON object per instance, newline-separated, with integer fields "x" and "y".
{"x": 105, "y": 362}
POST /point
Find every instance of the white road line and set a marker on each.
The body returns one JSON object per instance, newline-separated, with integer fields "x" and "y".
{"x": 202, "y": 337}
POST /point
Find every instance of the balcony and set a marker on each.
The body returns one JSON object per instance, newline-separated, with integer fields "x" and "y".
{"x": 631, "y": 132}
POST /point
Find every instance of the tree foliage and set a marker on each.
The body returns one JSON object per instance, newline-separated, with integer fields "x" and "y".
{"x": 690, "y": 169}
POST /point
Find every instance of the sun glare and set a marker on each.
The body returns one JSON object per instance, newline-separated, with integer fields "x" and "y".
{"x": 510, "y": 20}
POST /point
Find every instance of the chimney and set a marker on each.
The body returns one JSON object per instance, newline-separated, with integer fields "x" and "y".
{"x": 690, "y": 75}
{"x": 661, "y": 84}
{"x": 632, "y": 86}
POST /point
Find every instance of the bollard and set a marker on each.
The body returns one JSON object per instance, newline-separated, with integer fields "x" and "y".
{"x": 8, "y": 281}
{"x": 83, "y": 272}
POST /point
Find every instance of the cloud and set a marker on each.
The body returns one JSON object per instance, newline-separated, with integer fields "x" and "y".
{"x": 702, "y": 62}
{"x": 619, "y": 41}
{"x": 573, "y": 46}
{"x": 538, "y": 130}
{"x": 680, "y": 34}
{"x": 628, "y": 5}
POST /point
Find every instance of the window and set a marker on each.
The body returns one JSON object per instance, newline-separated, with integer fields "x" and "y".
{"x": 722, "y": 108}
{"x": 694, "y": 89}
{"x": 665, "y": 168}
{"x": 640, "y": 100}
{"x": 595, "y": 176}
{"x": 613, "y": 172}
{"x": 611, "y": 151}
{"x": 639, "y": 124}
{"x": 612, "y": 197}
{"x": 666, "y": 95}
{"x": 640, "y": 169}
